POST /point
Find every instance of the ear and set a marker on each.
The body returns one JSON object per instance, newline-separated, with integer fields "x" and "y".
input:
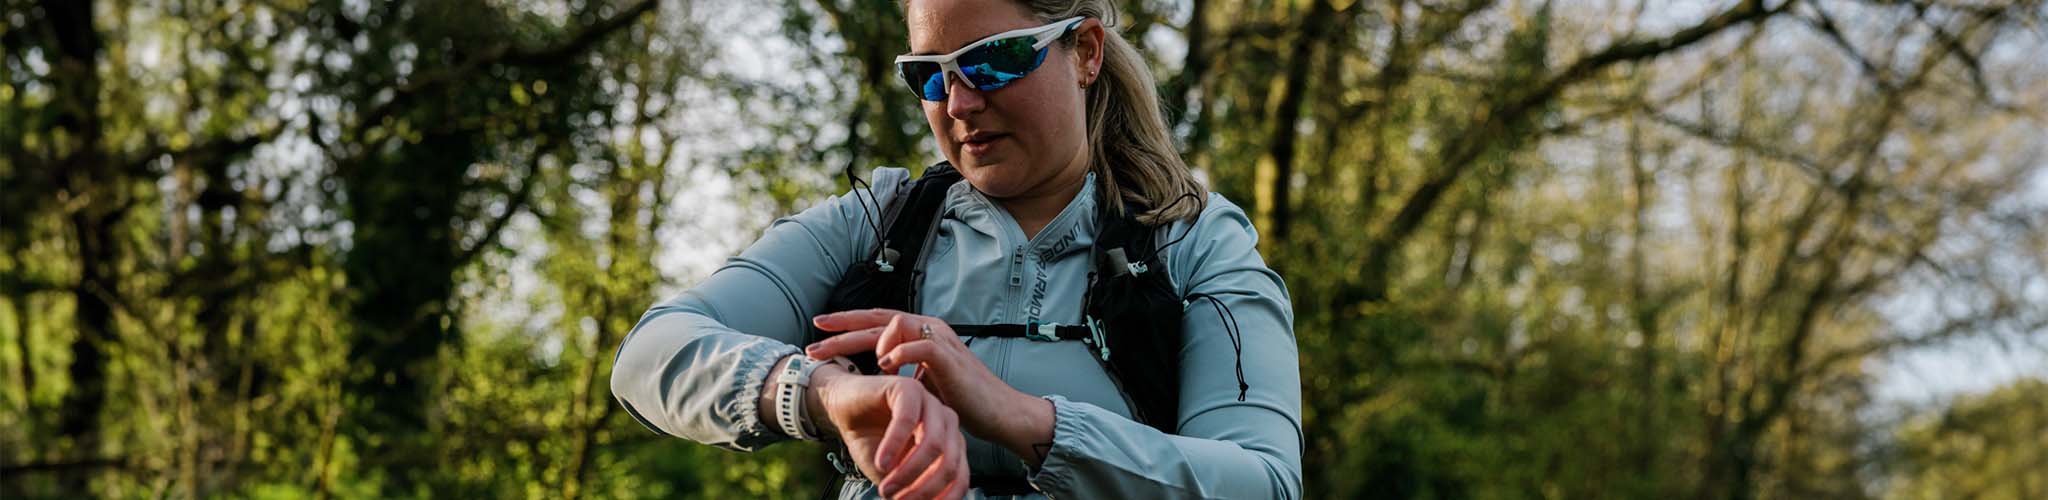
{"x": 1088, "y": 40}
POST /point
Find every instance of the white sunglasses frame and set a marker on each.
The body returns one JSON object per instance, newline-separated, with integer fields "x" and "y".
{"x": 950, "y": 63}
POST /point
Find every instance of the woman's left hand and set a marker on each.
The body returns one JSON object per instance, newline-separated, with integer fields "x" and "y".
{"x": 988, "y": 407}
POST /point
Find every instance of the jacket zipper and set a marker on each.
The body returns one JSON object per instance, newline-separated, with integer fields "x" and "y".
{"x": 1017, "y": 267}
{"x": 999, "y": 357}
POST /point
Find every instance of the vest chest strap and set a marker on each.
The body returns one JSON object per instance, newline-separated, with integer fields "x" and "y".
{"x": 1042, "y": 331}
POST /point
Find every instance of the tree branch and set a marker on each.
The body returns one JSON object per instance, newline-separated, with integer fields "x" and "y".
{"x": 505, "y": 54}
{"x": 512, "y": 207}
{"x": 1954, "y": 45}
{"x": 1491, "y": 125}
{"x": 1825, "y": 23}
{"x": 1955, "y": 327}
{"x": 1738, "y": 141}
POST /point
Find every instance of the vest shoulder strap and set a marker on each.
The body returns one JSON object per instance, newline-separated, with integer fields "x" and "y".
{"x": 1133, "y": 314}
{"x": 889, "y": 274}
{"x": 906, "y": 236}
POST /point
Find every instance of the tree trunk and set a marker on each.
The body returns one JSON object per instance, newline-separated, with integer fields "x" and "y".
{"x": 87, "y": 174}
{"x": 401, "y": 270}
{"x": 1279, "y": 156}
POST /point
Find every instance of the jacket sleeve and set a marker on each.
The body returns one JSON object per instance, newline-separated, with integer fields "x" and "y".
{"x": 693, "y": 366}
{"x": 1226, "y": 448}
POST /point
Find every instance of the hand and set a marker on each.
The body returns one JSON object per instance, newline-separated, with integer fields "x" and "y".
{"x": 989, "y": 407}
{"x": 899, "y": 435}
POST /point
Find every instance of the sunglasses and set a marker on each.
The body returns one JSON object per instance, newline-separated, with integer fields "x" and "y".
{"x": 988, "y": 64}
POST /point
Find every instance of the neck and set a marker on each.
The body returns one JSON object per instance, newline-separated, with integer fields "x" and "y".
{"x": 1035, "y": 209}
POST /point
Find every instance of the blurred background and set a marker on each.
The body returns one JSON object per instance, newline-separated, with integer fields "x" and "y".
{"x": 1537, "y": 249}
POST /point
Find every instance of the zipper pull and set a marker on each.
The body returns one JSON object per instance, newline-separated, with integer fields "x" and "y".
{"x": 1017, "y": 267}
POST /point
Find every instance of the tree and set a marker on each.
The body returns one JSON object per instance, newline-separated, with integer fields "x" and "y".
{"x": 1982, "y": 446}
{"x": 312, "y": 248}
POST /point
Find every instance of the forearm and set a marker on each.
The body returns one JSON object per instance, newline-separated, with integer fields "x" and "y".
{"x": 1229, "y": 453}
{"x": 685, "y": 375}
{"x": 696, "y": 366}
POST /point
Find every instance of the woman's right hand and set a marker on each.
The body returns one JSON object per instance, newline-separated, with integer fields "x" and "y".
{"x": 900, "y": 435}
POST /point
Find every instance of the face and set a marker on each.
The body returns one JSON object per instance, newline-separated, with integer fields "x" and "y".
{"x": 1027, "y": 138}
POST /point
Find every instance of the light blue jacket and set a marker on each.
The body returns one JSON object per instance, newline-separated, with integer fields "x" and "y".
{"x": 694, "y": 365}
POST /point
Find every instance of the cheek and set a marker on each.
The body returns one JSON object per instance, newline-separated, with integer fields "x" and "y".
{"x": 1048, "y": 117}
{"x": 935, "y": 116}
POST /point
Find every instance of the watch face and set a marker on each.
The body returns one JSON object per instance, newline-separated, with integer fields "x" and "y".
{"x": 803, "y": 376}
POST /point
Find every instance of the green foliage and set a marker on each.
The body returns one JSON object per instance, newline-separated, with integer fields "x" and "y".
{"x": 327, "y": 248}
{"x": 1987, "y": 446}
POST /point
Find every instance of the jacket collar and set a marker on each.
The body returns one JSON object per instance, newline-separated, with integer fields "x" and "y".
{"x": 984, "y": 215}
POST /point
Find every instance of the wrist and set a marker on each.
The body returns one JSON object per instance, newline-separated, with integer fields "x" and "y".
{"x": 815, "y": 409}
{"x": 765, "y": 403}
{"x": 791, "y": 380}
{"x": 1026, "y": 427}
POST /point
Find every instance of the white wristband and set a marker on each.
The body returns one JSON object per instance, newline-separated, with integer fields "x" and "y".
{"x": 803, "y": 381}
{"x": 789, "y": 397}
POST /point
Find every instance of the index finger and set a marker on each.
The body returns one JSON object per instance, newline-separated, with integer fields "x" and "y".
{"x": 854, "y": 319}
{"x": 845, "y": 344}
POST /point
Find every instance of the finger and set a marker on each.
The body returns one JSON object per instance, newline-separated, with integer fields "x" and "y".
{"x": 898, "y": 331}
{"x": 961, "y": 477}
{"x": 912, "y": 330}
{"x": 936, "y": 476}
{"x": 917, "y": 351}
{"x": 955, "y": 490}
{"x": 844, "y": 344}
{"x": 906, "y": 406}
{"x": 932, "y": 442}
{"x": 854, "y": 319}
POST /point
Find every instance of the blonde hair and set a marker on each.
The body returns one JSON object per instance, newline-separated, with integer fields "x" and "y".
{"x": 1129, "y": 147}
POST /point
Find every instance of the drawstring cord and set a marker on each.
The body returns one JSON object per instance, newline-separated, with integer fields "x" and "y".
{"x": 856, "y": 184}
{"x": 1230, "y": 328}
{"x": 1223, "y": 312}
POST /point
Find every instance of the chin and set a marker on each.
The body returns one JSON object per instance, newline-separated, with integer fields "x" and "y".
{"x": 993, "y": 184}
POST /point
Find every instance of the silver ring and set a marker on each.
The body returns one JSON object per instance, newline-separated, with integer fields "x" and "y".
{"x": 926, "y": 330}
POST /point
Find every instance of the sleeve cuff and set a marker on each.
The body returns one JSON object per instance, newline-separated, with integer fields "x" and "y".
{"x": 744, "y": 408}
{"x": 1056, "y": 472}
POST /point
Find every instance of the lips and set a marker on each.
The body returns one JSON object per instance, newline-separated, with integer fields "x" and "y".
{"x": 982, "y": 137}
{"x": 980, "y": 142}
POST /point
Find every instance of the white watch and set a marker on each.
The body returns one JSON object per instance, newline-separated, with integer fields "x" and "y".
{"x": 789, "y": 396}
{"x": 803, "y": 381}
{"x": 791, "y": 414}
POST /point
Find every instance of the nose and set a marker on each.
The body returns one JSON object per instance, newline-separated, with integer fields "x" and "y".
{"x": 962, "y": 99}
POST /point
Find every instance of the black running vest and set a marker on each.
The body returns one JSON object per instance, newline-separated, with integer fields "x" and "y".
{"x": 1132, "y": 315}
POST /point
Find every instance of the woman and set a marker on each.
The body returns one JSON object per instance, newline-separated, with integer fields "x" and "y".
{"x": 1050, "y": 119}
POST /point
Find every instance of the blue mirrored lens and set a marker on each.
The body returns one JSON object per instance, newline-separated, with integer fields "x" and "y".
{"x": 926, "y": 79}
{"x": 989, "y": 66}
{"x": 935, "y": 87}
{"x": 999, "y": 62}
